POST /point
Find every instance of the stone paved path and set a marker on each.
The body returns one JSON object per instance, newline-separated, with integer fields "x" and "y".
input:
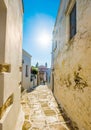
{"x": 41, "y": 111}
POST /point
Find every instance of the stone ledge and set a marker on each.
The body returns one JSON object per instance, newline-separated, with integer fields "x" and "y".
{"x": 5, "y": 114}
{"x": 6, "y": 105}
{"x": 5, "y": 68}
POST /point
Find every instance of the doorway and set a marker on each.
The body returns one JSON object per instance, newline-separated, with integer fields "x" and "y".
{"x": 52, "y": 82}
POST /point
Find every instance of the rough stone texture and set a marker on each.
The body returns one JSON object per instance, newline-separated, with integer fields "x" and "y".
{"x": 41, "y": 111}
{"x": 72, "y": 64}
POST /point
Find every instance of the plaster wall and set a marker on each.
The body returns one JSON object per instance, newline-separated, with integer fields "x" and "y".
{"x": 10, "y": 60}
{"x": 72, "y": 63}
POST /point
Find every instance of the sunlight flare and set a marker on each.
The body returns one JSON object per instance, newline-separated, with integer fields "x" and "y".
{"x": 43, "y": 39}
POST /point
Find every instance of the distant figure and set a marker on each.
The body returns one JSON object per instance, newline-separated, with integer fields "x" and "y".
{"x": 44, "y": 82}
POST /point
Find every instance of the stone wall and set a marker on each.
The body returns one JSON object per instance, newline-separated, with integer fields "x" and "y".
{"x": 72, "y": 63}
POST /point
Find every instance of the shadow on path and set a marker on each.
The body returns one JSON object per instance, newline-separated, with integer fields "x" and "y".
{"x": 42, "y": 111}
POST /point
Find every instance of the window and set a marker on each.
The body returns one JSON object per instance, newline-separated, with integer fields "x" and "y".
{"x": 55, "y": 46}
{"x": 73, "y": 22}
{"x": 26, "y": 74}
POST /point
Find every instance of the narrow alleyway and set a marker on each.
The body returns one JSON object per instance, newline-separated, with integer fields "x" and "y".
{"x": 41, "y": 111}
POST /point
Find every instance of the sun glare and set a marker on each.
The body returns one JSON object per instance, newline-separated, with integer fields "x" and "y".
{"x": 44, "y": 39}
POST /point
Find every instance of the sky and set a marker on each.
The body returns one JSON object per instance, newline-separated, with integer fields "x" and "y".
{"x": 39, "y": 19}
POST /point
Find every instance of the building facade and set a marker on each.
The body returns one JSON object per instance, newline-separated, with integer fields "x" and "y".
{"x": 11, "y": 12}
{"x": 71, "y": 64}
{"x": 26, "y": 70}
{"x": 43, "y": 74}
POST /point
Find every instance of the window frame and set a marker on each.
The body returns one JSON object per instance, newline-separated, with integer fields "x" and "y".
{"x": 26, "y": 71}
{"x": 72, "y": 21}
{"x": 69, "y": 8}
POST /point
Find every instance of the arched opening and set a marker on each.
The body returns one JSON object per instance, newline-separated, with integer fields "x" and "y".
{"x": 53, "y": 83}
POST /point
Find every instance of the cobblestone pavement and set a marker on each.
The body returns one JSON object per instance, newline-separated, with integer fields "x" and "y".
{"x": 41, "y": 111}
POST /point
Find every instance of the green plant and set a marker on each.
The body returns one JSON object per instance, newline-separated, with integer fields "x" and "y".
{"x": 34, "y": 70}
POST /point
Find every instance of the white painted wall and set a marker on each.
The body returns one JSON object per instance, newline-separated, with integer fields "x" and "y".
{"x": 10, "y": 54}
{"x": 69, "y": 56}
{"x": 26, "y": 83}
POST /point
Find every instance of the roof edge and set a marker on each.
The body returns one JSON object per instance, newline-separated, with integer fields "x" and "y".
{"x": 58, "y": 12}
{"x": 26, "y": 52}
{"x": 23, "y": 6}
